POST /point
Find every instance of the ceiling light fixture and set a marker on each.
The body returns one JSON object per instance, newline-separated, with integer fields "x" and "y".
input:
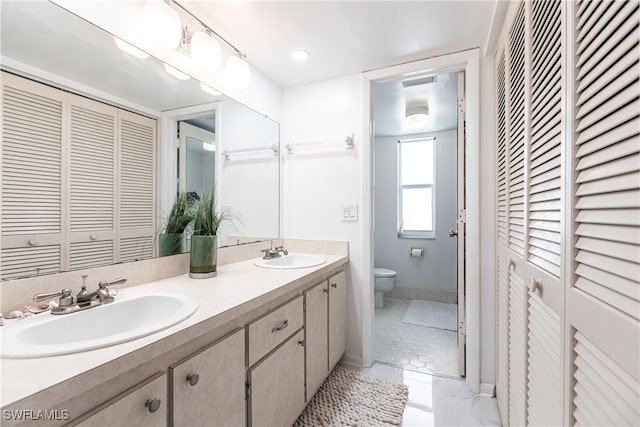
{"x": 417, "y": 117}
{"x": 130, "y": 49}
{"x": 300, "y": 55}
{"x": 175, "y": 73}
{"x": 208, "y": 147}
{"x": 205, "y": 51}
{"x": 237, "y": 73}
{"x": 162, "y": 24}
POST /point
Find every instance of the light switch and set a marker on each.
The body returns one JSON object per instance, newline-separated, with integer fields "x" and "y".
{"x": 349, "y": 213}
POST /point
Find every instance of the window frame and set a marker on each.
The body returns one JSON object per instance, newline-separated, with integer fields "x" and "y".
{"x": 415, "y": 234}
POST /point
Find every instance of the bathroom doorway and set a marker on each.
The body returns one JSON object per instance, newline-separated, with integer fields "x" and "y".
{"x": 418, "y": 238}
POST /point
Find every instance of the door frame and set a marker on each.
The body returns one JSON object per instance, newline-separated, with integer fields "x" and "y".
{"x": 469, "y": 62}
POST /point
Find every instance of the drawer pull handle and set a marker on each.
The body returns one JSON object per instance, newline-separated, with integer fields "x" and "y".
{"x": 334, "y": 285}
{"x": 153, "y": 405}
{"x": 281, "y": 327}
{"x": 193, "y": 379}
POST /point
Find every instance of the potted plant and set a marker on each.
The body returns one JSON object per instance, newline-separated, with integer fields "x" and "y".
{"x": 172, "y": 241}
{"x": 204, "y": 240}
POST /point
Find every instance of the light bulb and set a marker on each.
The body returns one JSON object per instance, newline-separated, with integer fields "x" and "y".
{"x": 300, "y": 55}
{"x": 175, "y": 73}
{"x": 417, "y": 117}
{"x": 162, "y": 24}
{"x": 205, "y": 52}
{"x": 237, "y": 73}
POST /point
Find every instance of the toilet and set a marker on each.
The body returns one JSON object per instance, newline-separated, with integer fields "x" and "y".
{"x": 385, "y": 280}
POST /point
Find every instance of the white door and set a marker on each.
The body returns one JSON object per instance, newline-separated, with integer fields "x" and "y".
{"x": 460, "y": 232}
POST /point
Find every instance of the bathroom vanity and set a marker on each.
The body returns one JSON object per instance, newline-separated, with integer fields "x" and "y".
{"x": 254, "y": 353}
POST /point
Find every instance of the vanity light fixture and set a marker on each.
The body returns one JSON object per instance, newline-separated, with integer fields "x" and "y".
{"x": 417, "y": 117}
{"x": 175, "y": 73}
{"x": 161, "y": 23}
{"x": 300, "y": 55}
{"x": 205, "y": 51}
{"x": 237, "y": 73}
{"x": 209, "y": 89}
{"x": 130, "y": 49}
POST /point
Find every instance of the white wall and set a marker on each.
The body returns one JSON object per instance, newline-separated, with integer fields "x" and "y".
{"x": 434, "y": 275}
{"x": 315, "y": 186}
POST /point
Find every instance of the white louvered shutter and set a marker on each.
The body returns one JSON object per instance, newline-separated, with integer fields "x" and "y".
{"x": 32, "y": 178}
{"x": 502, "y": 336}
{"x": 137, "y": 153}
{"x": 517, "y": 348}
{"x": 92, "y": 183}
{"x": 603, "y": 303}
{"x": 516, "y": 81}
{"x": 545, "y": 210}
{"x": 502, "y": 160}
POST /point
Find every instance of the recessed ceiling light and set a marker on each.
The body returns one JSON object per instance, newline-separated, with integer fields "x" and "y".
{"x": 300, "y": 55}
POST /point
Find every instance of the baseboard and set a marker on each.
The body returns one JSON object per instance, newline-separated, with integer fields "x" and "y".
{"x": 426, "y": 294}
{"x": 487, "y": 389}
{"x": 352, "y": 360}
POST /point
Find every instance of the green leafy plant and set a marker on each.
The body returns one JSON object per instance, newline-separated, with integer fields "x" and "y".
{"x": 182, "y": 213}
{"x": 207, "y": 219}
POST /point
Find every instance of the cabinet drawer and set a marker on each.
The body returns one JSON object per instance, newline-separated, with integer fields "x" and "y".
{"x": 143, "y": 405}
{"x": 272, "y": 329}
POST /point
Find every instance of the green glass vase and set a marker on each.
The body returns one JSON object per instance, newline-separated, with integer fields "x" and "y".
{"x": 171, "y": 244}
{"x": 204, "y": 257}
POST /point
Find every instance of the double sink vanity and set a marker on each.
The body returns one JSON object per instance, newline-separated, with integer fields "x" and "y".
{"x": 248, "y": 347}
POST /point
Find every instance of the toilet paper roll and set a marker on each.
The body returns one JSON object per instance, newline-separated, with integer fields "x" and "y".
{"x": 417, "y": 252}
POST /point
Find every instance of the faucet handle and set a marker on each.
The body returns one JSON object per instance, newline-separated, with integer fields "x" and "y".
{"x": 118, "y": 281}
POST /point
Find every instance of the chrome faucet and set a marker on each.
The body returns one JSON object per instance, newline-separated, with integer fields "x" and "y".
{"x": 84, "y": 300}
{"x": 274, "y": 252}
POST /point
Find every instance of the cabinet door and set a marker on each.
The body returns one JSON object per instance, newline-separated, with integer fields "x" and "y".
{"x": 277, "y": 385}
{"x": 145, "y": 405}
{"x": 337, "y": 317}
{"x": 316, "y": 336}
{"x": 208, "y": 388}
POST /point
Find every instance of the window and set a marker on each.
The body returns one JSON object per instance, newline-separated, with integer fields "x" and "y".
{"x": 416, "y": 188}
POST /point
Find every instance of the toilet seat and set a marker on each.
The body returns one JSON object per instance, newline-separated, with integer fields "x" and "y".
{"x": 384, "y": 273}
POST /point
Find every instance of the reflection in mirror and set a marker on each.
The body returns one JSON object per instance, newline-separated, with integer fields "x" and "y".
{"x": 95, "y": 197}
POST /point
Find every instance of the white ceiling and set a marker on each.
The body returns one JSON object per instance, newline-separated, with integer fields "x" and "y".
{"x": 343, "y": 37}
{"x": 391, "y": 99}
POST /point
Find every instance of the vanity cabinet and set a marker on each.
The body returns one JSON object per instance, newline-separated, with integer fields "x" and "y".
{"x": 316, "y": 328}
{"x": 143, "y": 405}
{"x": 276, "y": 385}
{"x": 337, "y": 317}
{"x": 207, "y": 388}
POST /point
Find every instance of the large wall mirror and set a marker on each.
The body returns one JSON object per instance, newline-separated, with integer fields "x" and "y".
{"x": 99, "y": 139}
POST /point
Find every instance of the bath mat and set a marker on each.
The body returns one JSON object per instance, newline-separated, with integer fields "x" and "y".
{"x": 432, "y": 314}
{"x": 349, "y": 398}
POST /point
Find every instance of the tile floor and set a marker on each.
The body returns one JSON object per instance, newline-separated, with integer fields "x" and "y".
{"x": 437, "y": 401}
{"x": 413, "y": 347}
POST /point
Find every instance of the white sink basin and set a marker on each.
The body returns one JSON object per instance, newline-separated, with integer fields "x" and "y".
{"x": 291, "y": 261}
{"x": 128, "y": 318}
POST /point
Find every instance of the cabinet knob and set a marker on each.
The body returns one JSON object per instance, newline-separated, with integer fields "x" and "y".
{"x": 93, "y": 237}
{"x": 153, "y": 405}
{"x": 301, "y": 343}
{"x": 326, "y": 291}
{"x": 193, "y": 379}
{"x": 33, "y": 242}
{"x": 334, "y": 285}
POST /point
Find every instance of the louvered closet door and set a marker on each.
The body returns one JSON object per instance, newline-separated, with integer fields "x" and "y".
{"x": 603, "y": 305}
{"x": 92, "y": 183}
{"x": 32, "y": 178}
{"x": 137, "y": 153}
{"x": 502, "y": 285}
{"x": 545, "y": 208}
{"x": 517, "y": 132}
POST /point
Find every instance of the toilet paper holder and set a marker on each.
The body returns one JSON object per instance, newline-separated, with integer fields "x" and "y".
{"x": 416, "y": 252}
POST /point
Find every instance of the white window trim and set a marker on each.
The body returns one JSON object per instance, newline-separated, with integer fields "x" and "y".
{"x": 416, "y": 234}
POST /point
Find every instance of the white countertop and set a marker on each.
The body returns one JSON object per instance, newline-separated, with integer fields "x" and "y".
{"x": 237, "y": 289}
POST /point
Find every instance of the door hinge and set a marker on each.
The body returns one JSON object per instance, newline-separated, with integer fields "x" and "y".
{"x": 462, "y": 330}
{"x": 461, "y": 105}
{"x": 247, "y": 394}
{"x": 462, "y": 216}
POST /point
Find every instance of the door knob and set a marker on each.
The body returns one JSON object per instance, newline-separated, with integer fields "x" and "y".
{"x": 453, "y": 233}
